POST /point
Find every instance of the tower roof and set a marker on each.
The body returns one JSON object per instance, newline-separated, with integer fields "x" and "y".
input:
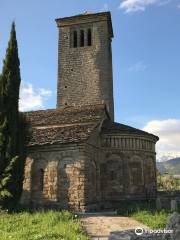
{"x": 86, "y": 17}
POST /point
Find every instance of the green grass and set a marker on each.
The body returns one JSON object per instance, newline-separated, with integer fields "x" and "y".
{"x": 154, "y": 220}
{"x": 146, "y": 213}
{"x": 50, "y": 225}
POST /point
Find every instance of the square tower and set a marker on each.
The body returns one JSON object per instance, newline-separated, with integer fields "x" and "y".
{"x": 85, "y": 61}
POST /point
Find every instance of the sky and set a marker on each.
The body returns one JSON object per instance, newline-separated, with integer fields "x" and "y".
{"x": 146, "y": 59}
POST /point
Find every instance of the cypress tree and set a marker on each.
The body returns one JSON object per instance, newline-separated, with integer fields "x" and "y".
{"x": 11, "y": 127}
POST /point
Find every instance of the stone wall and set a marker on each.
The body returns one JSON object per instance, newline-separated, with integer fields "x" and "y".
{"x": 165, "y": 198}
{"x": 85, "y": 73}
{"x": 55, "y": 177}
{"x": 128, "y": 168}
{"x": 92, "y": 175}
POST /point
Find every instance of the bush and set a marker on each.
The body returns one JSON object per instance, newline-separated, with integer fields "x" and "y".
{"x": 167, "y": 182}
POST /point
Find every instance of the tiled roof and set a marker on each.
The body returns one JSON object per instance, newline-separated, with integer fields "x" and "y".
{"x": 68, "y": 115}
{"x": 114, "y": 127}
{"x": 72, "y": 124}
{"x": 68, "y": 134}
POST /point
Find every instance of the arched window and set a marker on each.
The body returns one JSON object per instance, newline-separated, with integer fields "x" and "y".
{"x": 75, "y": 39}
{"x": 89, "y": 37}
{"x": 41, "y": 179}
{"x": 82, "y": 38}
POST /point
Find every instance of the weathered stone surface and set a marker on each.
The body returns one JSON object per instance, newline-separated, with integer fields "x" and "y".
{"x": 158, "y": 204}
{"x": 173, "y": 224}
{"x": 130, "y": 235}
{"x": 85, "y": 72}
{"x": 78, "y": 158}
{"x": 174, "y": 205}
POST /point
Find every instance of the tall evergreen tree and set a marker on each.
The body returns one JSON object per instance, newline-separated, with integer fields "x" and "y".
{"x": 11, "y": 134}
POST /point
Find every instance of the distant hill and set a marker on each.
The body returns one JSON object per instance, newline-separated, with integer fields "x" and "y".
{"x": 171, "y": 166}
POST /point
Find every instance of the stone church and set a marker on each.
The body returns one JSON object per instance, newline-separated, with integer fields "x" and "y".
{"x": 78, "y": 157}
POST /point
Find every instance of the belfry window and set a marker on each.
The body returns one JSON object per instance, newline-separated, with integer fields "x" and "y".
{"x": 41, "y": 180}
{"x": 89, "y": 37}
{"x": 82, "y": 38}
{"x": 75, "y": 39}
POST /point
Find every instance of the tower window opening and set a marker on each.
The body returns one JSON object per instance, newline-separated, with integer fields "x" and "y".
{"x": 41, "y": 180}
{"x": 75, "y": 39}
{"x": 89, "y": 37}
{"x": 82, "y": 38}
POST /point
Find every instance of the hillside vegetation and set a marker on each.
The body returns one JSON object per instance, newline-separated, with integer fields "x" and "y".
{"x": 171, "y": 166}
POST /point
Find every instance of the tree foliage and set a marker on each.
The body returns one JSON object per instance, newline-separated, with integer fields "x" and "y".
{"x": 12, "y": 147}
{"x": 167, "y": 183}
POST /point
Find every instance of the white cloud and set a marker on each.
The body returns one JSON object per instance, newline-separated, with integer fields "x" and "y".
{"x": 169, "y": 133}
{"x": 140, "y": 5}
{"x": 32, "y": 99}
{"x": 138, "y": 67}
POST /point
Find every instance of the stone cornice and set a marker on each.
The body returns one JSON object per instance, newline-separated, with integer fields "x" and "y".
{"x": 86, "y": 18}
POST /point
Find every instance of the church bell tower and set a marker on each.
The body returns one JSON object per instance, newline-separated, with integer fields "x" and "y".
{"x": 85, "y": 61}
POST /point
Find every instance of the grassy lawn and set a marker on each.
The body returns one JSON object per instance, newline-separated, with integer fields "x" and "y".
{"x": 154, "y": 220}
{"x": 146, "y": 213}
{"x": 50, "y": 225}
